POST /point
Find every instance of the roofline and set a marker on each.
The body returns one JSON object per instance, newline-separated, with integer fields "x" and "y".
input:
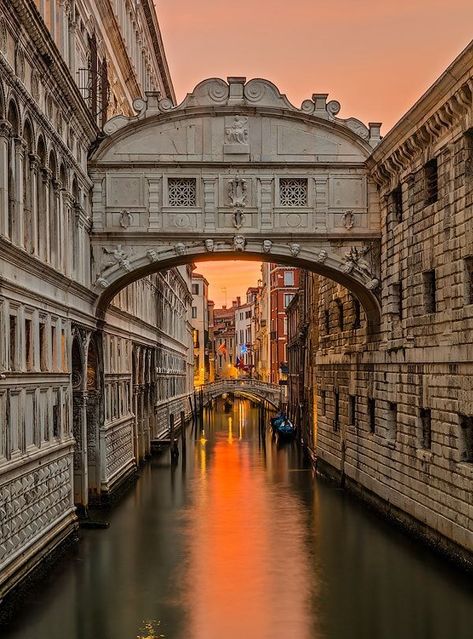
{"x": 150, "y": 12}
{"x": 451, "y": 79}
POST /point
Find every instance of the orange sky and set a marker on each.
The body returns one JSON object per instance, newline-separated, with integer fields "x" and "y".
{"x": 376, "y": 57}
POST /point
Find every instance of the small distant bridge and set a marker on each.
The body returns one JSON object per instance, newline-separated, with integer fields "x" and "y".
{"x": 252, "y": 389}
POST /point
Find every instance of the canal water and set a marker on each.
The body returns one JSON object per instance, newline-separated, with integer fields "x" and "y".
{"x": 238, "y": 540}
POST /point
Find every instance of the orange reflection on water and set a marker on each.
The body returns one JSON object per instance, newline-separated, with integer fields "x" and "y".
{"x": 247, "y": 574}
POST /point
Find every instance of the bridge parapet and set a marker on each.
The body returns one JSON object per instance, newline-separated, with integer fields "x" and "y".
{"x": 251, "y": 388}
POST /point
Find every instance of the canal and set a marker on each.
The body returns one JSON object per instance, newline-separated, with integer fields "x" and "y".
{"x": 239, "y": 540}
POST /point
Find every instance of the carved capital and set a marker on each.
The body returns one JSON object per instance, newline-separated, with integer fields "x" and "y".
{"x": 5, "y": 129}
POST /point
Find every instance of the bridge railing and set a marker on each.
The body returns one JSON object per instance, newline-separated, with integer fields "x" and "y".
{"x": 265, "y": 390}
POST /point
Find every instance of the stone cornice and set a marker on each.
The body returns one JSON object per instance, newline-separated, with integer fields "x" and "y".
{"x": 30, "y": 264}
{"x": 447, "y": 101}
{"x": 56, "y": 67}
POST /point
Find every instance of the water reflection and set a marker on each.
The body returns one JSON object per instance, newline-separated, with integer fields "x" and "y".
{"x": 239, "y": 540}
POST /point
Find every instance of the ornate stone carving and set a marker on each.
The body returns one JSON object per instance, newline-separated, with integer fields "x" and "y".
{"x": 102, "y": 282}
{"x": 117, "y": 257}
{"x": 3, "y": 35}
{"x": 295, "y": 249}
{"x": 20, "y": 63}
{"x": 355, "y": 259}
{"x": 209, "y": 245}
{"x": 35, "y": 85}
{"x": 32, "y": 503}
{"x": 126, "y": 219}
{"x": 239, "y": 243}
{"x": 237, "y": 192}
{"x": 267, "y": 246}
{"x": 152, "y": 255}
{"x": 237, "y": 132}
{"x": 322, "y": 256}
{"x": 348, "y": 220}
{"x": 180, "y": 248}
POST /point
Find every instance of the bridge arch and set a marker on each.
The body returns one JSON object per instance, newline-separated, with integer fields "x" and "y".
{"x": 236, "y": 172}
{"x": 255, "y": 390}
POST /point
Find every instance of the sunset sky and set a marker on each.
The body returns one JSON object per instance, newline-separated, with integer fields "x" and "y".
{"x": 375, "y": 57}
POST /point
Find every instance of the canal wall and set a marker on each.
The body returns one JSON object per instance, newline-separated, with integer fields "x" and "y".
{"x": 394, "y": 412}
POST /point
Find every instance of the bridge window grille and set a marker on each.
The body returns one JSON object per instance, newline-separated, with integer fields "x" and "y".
{"x": 430, "y": 291}
{"x": 469, "y": 280}
{"x": 293, "y": 192}
{"x": 466, "y": 438}
{"x": 182, "y": 192}
{"x": 431, "y": 181}
{"x": 426, "y": 424}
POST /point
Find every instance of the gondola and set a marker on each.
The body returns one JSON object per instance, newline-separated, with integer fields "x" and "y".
{"x": 285, "y": 430}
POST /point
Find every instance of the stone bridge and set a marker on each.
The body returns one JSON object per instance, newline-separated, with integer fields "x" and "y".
{"x": 236, "y": 172}
{"x": 253, "y": 389}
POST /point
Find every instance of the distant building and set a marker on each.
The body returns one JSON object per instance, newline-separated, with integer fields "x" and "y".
{"x": 224, "y": 341}
{"x": 200, "y": 327}
{"x": 283, "y": 283}
{"x": 245, "y": 333}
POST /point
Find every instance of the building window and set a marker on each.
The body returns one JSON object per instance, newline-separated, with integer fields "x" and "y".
{"x": 248, "y": 315}
{"x": 396, "y": 203}
{"x": 352, "y": 410}
{"x": 293, "y": 192}
{"x": 29, "y": 344}
{"x": 391, "y": 422}
{"x": 426, "y": 434}
{"x": 336, "y": 419}
{"x": 397, "y": 299}
{"x": 327, "y": 321}
{"x": 287, "y": 299}
{"x": 182, "y": 192}
{"x": 13, "y": 338}
{"x": 371, "y": 414}
{"x": 194, "y": 312}
{"x": 466, "y": 438}
{"x": 341, "y": 321}
{"x": 431, "y": 181}
{"x": 324, "y": 402}
{"x": 469, "y": 280}
{"x": 430, "y": 291}
{"x": 42, "y": 347}
{"x": 288, "y": 278}
{"x": 356, "y": 313}
{"x": 195, "y": 289}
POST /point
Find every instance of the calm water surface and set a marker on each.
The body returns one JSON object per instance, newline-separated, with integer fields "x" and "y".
{"x": 238, "y": 540}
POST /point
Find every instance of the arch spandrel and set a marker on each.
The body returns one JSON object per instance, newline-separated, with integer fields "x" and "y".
{"x": 236, "y": 171}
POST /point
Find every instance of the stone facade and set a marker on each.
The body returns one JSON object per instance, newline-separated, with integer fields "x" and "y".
{"x": 79, "y": 402}
{"x": 393, "y": 414}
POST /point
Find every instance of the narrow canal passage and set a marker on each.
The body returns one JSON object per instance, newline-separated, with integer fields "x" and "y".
{"x": 239, "y": 541}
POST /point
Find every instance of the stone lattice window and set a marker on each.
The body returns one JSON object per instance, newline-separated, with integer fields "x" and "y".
{"x": 293, "y": 192}
{"x": 182, "y": 192}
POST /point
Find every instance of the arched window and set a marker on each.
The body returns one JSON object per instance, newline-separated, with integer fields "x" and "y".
{"x": 28, "y": 225}
{"x": 53, "y": 211}
{"x": 13, "y": 119}
{"x": 41, "y": 204}
{"x": 74, "y": 226}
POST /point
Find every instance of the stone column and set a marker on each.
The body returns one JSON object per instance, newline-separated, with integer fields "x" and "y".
{"x": 267, "y": 203}
{"x": 155, "y": 214}
{"x": 5, "y": 132}
{"x": 43, "y": 216}
{"x": 68, "y": 232}
{"x": 79, "y": 427}
{"x": 210, "y": 221}
{"x": 34, "y": 169}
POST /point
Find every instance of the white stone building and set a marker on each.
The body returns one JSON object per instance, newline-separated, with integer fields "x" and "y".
{"x": 200, "y": 326}
{"x": 79, "y": 402}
